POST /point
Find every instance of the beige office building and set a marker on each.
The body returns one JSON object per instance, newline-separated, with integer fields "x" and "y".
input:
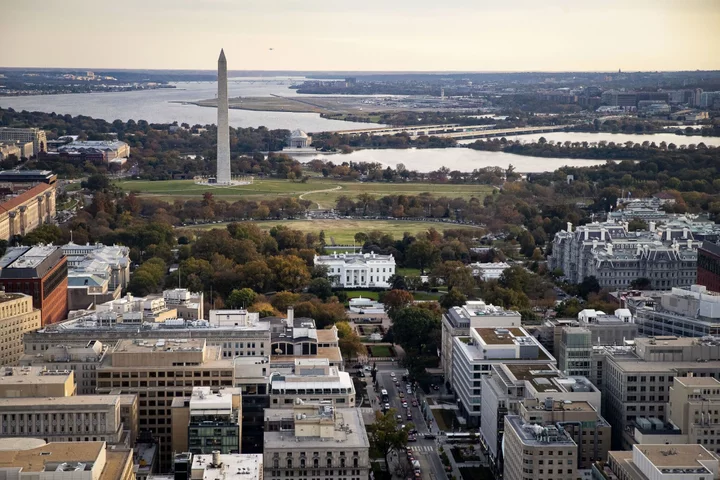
{"x": 661, "y": 462}
{"x": 30, "y": 459}
{"x": 158, "y": 372}
{"x": 538, "y": 452}
{"x": 85, "y": 418}
{"x": 17, "y": 317}
{"x": 81, "y": 359}
{"x": 21, "y": 214}
{"x": 24, "y": 135}
{"x": 18, "y": 382}
{"x": 313, "y": 440}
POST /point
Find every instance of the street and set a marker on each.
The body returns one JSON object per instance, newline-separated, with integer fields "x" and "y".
{"x": 424, "y": 450}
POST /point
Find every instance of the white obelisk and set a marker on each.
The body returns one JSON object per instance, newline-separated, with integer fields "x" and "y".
{"x": 223, "y": 127}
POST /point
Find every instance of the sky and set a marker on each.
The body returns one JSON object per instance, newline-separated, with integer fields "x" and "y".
{"x": 363, "y": 35}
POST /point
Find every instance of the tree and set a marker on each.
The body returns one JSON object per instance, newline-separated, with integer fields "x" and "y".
{"x": 396, "y": 300}
{"x": 385, "y": 436}
{"x": 282, "y": 300}
{"x": 47, "y": 234}
{"x": 637, "y": 224}
{"x": 421, "y": 254}
{"x": 454, "y": 298}
{"x": 413, "y": 327}
{"x": 321, "y": 288}
{"x": 96, "y": 182}
{"x": 264, "y": 309}
{"x": 397, "y": 282}
{"x": 348, "y": 340}
{"x": 241, "y": 298}
{"x": 289, "y": 272}
{"x": 588, "y": 285}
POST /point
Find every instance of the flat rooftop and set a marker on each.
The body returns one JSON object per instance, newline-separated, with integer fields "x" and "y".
{"x": 538, "y": 435}
{"x": 500, "y": 336}
{"x": 326, "y": 336}
{"x": 239, "y": 466}
{"x": 58, "y": 402}
{"x": 170, "y": 345}
{"x": 40, "y": 458}
{"x": 676, "y": 455}
{"x": 349, "y": 431}
{"x": 698, "y": 381}
{"x": 15, "y": 375}
{"x": 7, "y": 297}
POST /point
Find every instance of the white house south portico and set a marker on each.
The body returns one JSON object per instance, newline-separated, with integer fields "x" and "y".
{"x": 358, "y": 270}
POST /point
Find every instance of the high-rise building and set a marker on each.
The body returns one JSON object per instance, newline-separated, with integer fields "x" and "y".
{"x": 40, "y": 272}
{"x": 708, "y": 266}
{"x": 17, "y": 317}
{"x": 538, "y": 452}
{"x": 475, "y": 355}
{"x": 458, "y": 321}
{"x": 540, "y": 394}
{"x": 158, "y": 371}
{"x": 34, "y": 135}
{"x": 207, "y": 421}
{"x": 327, "y": 442}
{"x": 30, "y": 459}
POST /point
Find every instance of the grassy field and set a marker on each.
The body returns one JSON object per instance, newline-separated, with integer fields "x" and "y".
{"x": 263, "y": 189}
{"x": 381, "y": 351}
{"x": 342, "y": 231}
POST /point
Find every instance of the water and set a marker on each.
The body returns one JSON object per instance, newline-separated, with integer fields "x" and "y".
{"x": 463, "y": 159}
{"x": 613, "y": 137}
{"x": 159, "y": 106}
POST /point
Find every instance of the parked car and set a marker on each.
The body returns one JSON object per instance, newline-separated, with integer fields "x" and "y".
{"x": 430, "y": 436}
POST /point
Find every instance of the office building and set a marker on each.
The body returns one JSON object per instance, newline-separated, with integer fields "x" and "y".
{"x": 21, "y": 214}
{"x": 537, "y": 452}
{"x": 83, "y": 360}
{"x": 27, "y": 178}
{"x": 159, "y": 371}
{"x": 358, "y": 270}
{"x": 99, "y": 150}
{"x": 116, "y": 257}
{"x": 315, "y": 440}
{"x": 40, "y": 272}
{"x": 475, "y": 355}
{"x": 517, "y": 389}
{"x": 458, "y": 321}
{"x": 17, "y": 317}
{"x": 31, "y": 459}
{"x": 96, "y": 273}
{"x": 615, "y": 98}
{"x": 636, "y": 380}
{"x": 692, "y": 312}
{"x": 35, "y": 382}
{"x": 488, "y": 271}
{"x": 661, "y": 462}
{"x": 24, "y": 135}
{"x": 8, "y": 149}
{"x": 708, "y": 266}
{"x": 312, "y": 380}
{"x": 219, "y": 466}
{"x": 616, "y": 257}
{"x": 709, "y": 99}
{"x": 207, "y": 421}
{"x": 78, "y": 418}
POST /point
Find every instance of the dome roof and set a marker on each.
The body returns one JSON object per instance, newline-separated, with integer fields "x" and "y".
{"x": 298, "y": 134}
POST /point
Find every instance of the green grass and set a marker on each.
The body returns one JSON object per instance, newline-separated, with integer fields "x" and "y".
{"x": 268, "y": 189}
{"x": 408, "y": 272}
{"x": 362, "y": 293}
{"x": 380, "y": 351}
{"x": 426, "y": 296}
{"x": 342, "y": 231}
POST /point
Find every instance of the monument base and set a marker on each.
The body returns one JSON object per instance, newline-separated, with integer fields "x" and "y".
{"x": 212, "y": 181}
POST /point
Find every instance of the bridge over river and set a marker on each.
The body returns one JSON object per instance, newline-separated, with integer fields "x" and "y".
{"x": 455, "y": 131}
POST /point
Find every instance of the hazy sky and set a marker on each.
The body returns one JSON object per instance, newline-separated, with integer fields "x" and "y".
{"x": 380, "y": 35}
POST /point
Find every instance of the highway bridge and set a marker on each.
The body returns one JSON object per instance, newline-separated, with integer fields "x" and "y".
{"x": 455, "y": 131}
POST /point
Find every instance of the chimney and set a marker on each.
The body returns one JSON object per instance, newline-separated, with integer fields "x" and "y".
{"x": 609, "y": 248}
{"x": 595, "y": 244}
{"x": 587, "y": 234}
{"x": 602, "y": 234}
{"x": 686, "y": 232}
{"x": 689, "y": 243}
{"x": 569, "y": 227}
{"x": 290, "y": 315}
{"x": 652, "y": 226}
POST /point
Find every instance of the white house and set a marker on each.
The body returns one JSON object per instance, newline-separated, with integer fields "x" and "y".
{"x": 358, "y": 270}
{"x": 488, "y": 271}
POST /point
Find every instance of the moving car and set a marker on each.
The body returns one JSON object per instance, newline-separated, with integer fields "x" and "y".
{"x": 392, "y": 374}
{"x": 404, "y": 404}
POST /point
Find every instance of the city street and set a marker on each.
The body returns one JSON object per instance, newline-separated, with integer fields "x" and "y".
{"x": 424, "y": 450}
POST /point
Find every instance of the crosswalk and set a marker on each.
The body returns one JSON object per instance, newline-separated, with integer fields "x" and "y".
{"x": 423, "y": 448}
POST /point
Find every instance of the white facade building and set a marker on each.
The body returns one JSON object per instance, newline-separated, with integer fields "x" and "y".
{"x": 358, "y": 270}
{"x": 488, "y": 271}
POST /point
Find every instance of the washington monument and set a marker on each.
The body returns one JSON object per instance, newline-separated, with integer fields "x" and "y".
{"x": 223, "y": 127}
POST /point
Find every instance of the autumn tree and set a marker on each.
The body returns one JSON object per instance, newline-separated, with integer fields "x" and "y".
{"x": 421, "y": 254}
{"x": 349, "y": 341}
{"x": 385, "y": 436}
{"x": 396, "y": 300}
{"x": 289, "y": 272}
{"x": 241, "y": 298}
